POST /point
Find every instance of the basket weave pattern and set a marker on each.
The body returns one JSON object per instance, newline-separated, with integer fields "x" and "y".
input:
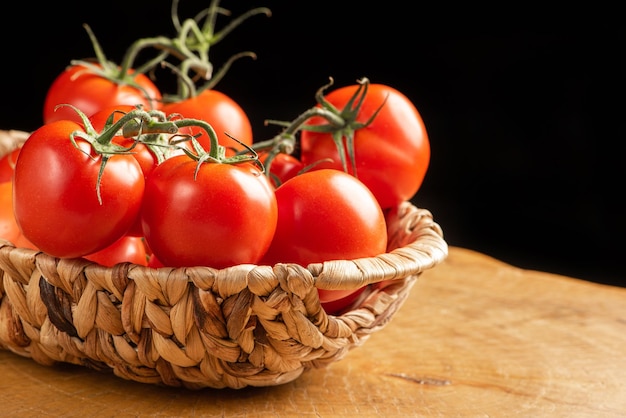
{"x": 199, "y": 327}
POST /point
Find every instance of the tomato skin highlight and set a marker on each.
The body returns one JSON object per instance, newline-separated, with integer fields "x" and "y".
{"x": 326, "y": 215}
{"x": 392, "y": 153}
{"x": 91, "y": 92}
{"x": 224, "y": 217}
{"x": 54, "y": 193}
{"x": 221, "y": 112}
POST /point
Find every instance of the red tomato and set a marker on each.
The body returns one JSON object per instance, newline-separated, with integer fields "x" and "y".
{"x": 90, "y": 92}
{"x": 55, "y": 189}
{"x": 9, "y": 229}
{"x": 326, "y": 215}
{"x": 126, "y": 249}
{"x": 392, "y": 153}
{"x": 282, "y": 168}
{"x": 220, "y": 111}
{"x": 339, "y": 306}
{"x": 154, "y": 262}
{"x": 7, "y": 165}
{"x": 23, "y": 242}
{"x": 225, "y": 216}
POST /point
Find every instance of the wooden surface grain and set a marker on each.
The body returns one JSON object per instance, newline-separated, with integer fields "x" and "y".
{"x": 476, "y": 338}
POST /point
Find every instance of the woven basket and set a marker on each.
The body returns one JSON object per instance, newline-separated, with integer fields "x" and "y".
{"x": 201, "y": 327}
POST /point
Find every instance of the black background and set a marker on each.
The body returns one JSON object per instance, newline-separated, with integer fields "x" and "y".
{"x": 524, "y": 109}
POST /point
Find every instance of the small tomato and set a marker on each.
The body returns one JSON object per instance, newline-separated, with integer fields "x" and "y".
{"x": 128, "y": 249}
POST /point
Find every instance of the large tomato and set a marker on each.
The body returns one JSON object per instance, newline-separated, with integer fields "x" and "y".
{"x": 223, "y": 215}
{"x": 392, "y": 153}
{"x": 326, "y": 215}
{"x": 90, "y": 92}
{"x": 223, "y": 113}
{"x": 60, "y": 203}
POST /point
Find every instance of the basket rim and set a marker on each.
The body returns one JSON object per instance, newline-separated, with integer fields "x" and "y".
{"x": 425, "y": 252}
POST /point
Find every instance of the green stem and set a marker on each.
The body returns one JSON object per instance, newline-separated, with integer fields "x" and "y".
{"x": 215, "y": 153}
{"x": 216, "y": 78}
{"x": 291, "y": 128}
{"x": 145, "y": 126}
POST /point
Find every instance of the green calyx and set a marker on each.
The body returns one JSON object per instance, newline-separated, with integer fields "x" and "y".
{"x": 102, "y": 142}
{"x": 120, "y": 74}
{"x": 343, "y": 123}
{"x": 217, "y": 152}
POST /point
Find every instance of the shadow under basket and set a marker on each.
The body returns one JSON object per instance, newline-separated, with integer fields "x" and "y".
{"x": 198, "y": 327}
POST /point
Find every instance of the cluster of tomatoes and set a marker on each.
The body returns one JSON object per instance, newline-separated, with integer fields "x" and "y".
{"x": 118, "y": 174}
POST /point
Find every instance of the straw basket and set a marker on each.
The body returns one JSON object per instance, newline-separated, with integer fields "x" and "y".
{"x": 201, "y": 327}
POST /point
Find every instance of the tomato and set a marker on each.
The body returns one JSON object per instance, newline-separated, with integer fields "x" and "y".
{"x": 59, "y": 203}
{"x": 392, "y": 153}
{"x": 9, "y": 229}
{"x": 7, "y": 165}
{"x": 219, "y": 110}
{"x": 282, "y": 168}
{"x": 90, "y": 92}
{"x": 326, "y": 215}
{"x": 224, "y": 216}
{"x": 154, "y": 262}
{"x": 22, "y": 242}
{"x": 128, "y": 248}
{"x": 339, "y": 306}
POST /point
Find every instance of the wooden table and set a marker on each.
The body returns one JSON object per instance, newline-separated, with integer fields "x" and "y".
{"x": 476, "y": 338}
